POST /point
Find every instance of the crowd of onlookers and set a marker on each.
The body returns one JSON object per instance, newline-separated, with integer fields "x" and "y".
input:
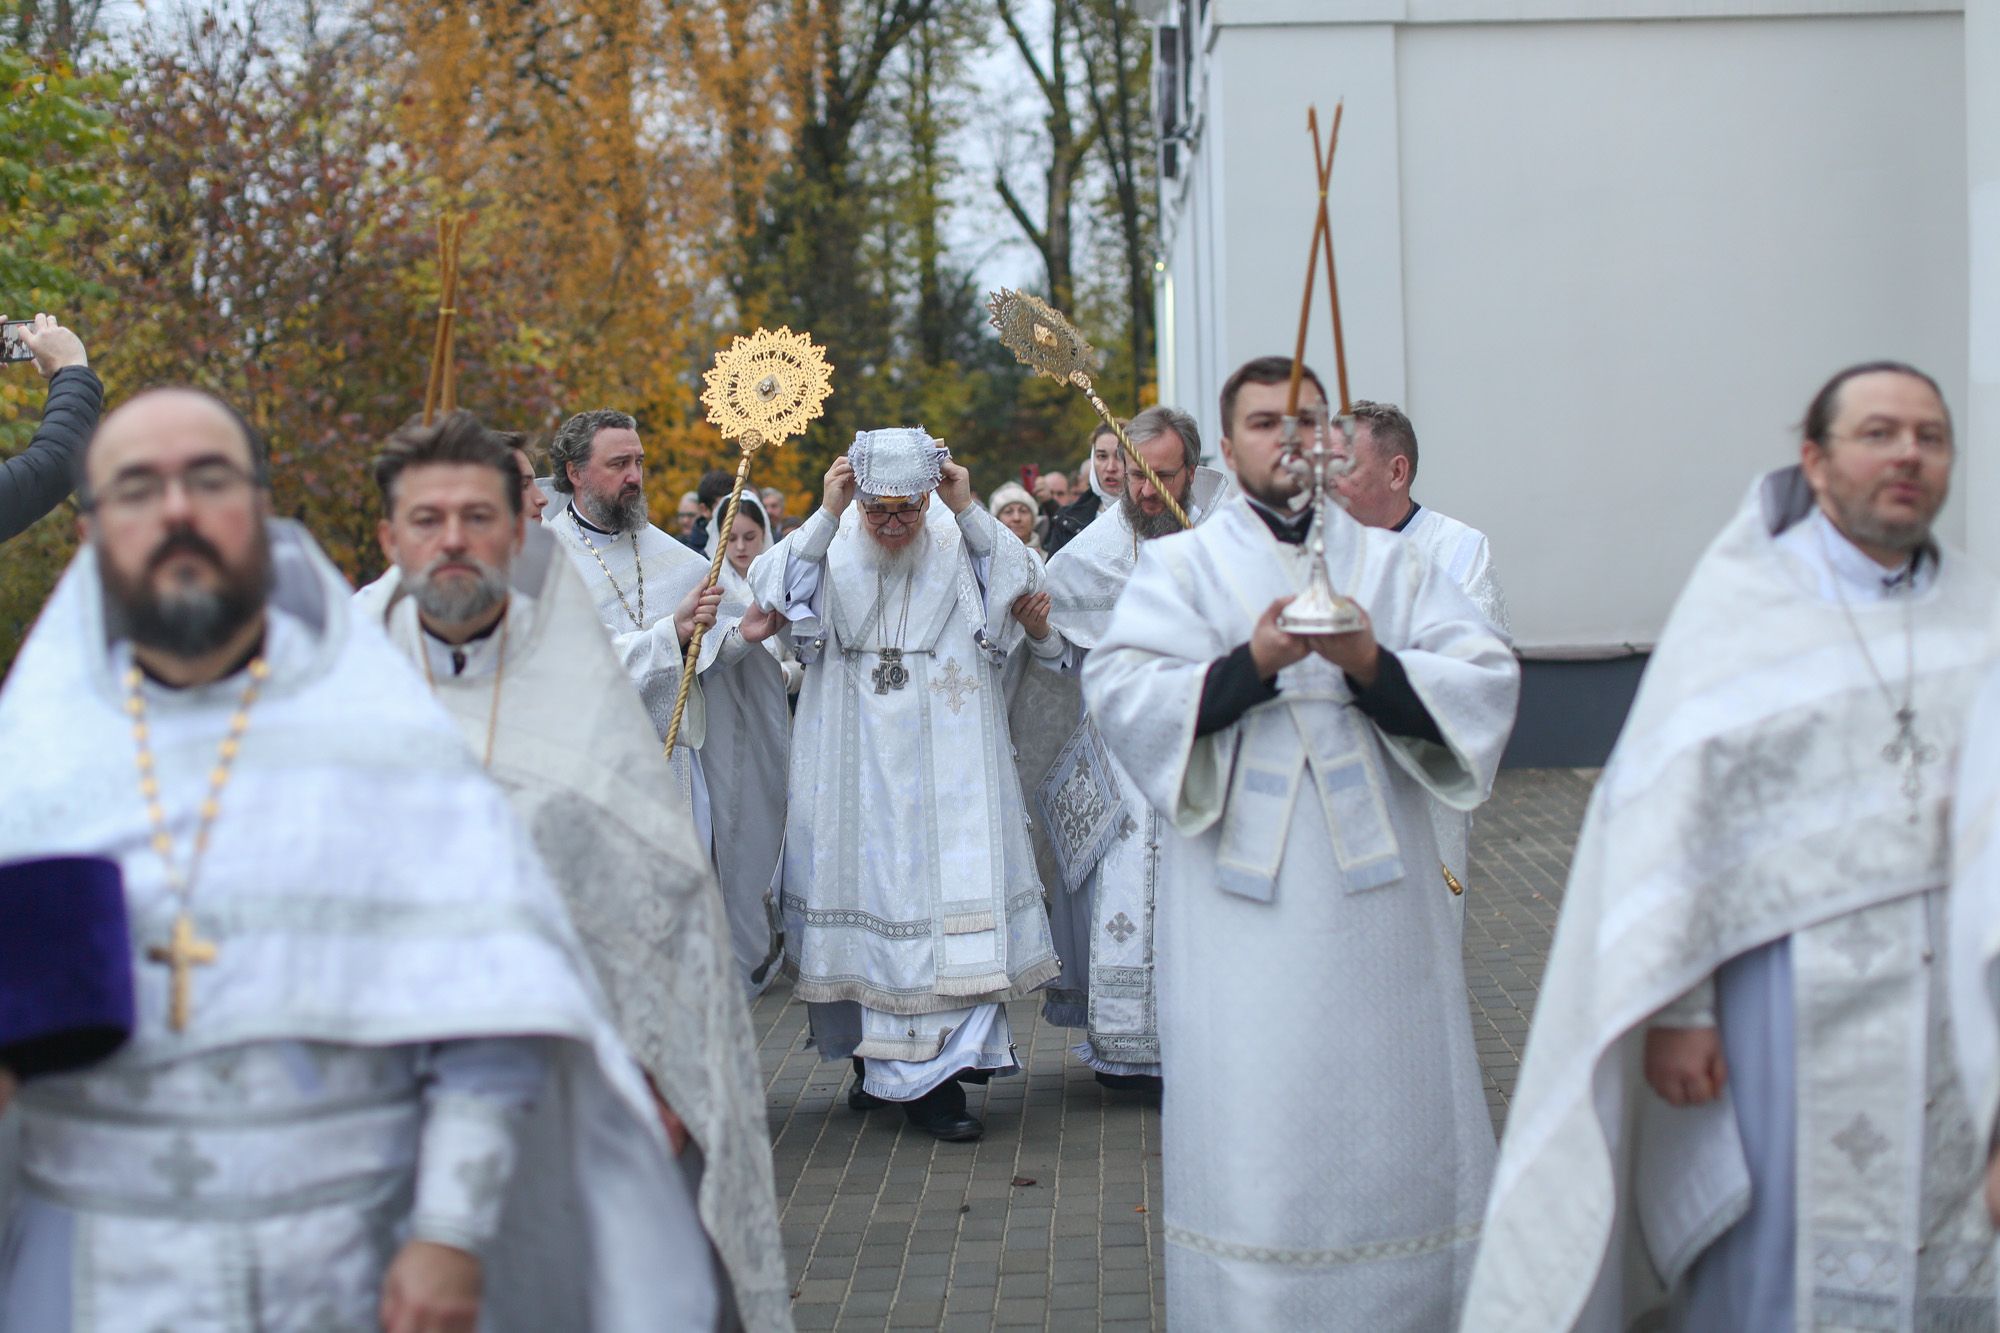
{"x": 1045, "y": 509}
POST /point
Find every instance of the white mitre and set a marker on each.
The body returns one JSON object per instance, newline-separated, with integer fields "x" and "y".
{"x": 896, "y": 463}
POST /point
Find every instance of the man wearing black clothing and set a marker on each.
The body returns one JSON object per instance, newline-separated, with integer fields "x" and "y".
{"x": 37, "y": 479}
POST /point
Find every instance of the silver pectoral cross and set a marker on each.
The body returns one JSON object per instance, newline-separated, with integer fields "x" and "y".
{"x": 1910, "y": 748}
{"x": 889, "y": 673}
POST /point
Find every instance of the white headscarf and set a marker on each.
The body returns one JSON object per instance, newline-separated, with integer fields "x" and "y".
{"x": 751, "y": 500}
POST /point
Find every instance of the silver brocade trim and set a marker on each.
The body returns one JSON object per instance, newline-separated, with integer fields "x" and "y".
{"x": 854, "y": 918}
{"x": 1353, "y": 1254}
{"x": 394, "y": 1179}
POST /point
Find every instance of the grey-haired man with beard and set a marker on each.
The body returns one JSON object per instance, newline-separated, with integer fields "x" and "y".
{"x": 1098, "y": 838}
{"x": 353, "y": 982}
{"x": 499, "y": 621}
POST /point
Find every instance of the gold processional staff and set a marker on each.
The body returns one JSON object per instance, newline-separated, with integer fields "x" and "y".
{"x": 1041, "y": 339}
{"x": 763, "y": 389}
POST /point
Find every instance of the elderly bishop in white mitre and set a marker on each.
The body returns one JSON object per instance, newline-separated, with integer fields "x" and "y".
{"x": 912, "y": 906}
{"x": 372, "y": 1080}
{"x": 1099, "y": 837}
{"x": 730, "y": 754}
{"x": 1738, "y": 1103}
{"x": 1326, "y": 1139}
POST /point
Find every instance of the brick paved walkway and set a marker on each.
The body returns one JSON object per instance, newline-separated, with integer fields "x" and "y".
{"x": 1053, "y": 1219}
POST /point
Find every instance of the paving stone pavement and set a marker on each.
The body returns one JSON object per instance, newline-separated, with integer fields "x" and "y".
{"x": 1053, "y": 1220}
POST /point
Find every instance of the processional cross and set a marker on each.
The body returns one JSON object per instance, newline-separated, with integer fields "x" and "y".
{"x": 763, "y": 389}
{"x": 182, "y": 953}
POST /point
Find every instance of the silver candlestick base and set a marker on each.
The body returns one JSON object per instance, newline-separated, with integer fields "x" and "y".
{"x": 1319, "y": 610}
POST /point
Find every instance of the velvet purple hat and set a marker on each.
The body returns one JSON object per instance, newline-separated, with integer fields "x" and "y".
{"x": 65, "y": 964}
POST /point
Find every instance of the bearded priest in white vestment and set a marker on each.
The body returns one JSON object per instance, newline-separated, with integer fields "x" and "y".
{"x": 1327, "y": 1142}
{"x": 1377, "y": 492}
{"x": 497, "y": 620}
{"x": 1974, "y": 921}
{"x": 1098, "y": 837}
{"x": 912, "y": 907}
{"x": 371, "y": 1068}
{"x": 1738, "y": 1101}
{"x": 730, "y": 755}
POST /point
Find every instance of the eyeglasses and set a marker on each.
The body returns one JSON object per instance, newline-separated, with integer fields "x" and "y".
{"x": 885, "y": 514}
{"x": 142, "y": 490}
{"x": 1883, "y": 436}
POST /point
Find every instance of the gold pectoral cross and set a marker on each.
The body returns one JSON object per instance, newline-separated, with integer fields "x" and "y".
{"x": 182, "y": 953}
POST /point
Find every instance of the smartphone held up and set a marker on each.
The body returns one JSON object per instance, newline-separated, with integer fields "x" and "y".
{"x": 14, "y": 340}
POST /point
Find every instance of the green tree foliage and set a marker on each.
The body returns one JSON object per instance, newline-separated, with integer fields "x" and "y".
{"x": 242, "y": 196}
{"x": 55, "y": 132}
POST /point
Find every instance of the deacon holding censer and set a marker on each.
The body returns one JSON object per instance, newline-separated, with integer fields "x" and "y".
{"x": 1295, "y": 767}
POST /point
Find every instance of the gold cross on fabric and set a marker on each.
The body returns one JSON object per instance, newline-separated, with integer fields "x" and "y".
{"x": 182, "y": 953}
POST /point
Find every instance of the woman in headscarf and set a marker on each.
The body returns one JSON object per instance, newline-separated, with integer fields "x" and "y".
{"x": 1015, "y": 509}
{"x": 749, "y": 535}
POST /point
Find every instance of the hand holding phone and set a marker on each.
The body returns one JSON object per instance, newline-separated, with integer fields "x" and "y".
{"x": 42, "y": 340}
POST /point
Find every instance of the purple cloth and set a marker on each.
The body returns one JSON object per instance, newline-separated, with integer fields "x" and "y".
{"x": 65, "y": 964}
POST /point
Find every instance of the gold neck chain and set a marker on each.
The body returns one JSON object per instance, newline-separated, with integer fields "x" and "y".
{"x": 499, "y": 675}
{"x": 185, "y": 949}
{"x": 638, "y": 566}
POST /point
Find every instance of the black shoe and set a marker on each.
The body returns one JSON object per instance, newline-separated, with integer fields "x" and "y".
{"x": 941, "y": 1114}
{"x": 1131, "y": 1082}
{"x": 858, "y": 1098}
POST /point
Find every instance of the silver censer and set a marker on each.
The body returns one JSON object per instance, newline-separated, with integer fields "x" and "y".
{"x": 1319, "y": 610}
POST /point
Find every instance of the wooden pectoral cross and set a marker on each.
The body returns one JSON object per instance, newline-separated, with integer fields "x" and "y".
{"x": 182, "y": 953}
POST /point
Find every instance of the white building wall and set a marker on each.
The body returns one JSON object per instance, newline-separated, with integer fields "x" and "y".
{"x": 1603, "y": 264}
{"x": 1979, "y": 425}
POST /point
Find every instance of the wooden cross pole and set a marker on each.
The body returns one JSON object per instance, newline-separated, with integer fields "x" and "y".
{"x": 1322, "y": 243}
{"x": 441, "y": 387}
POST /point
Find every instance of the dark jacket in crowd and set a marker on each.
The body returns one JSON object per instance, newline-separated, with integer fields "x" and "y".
{"x": 1071, "y": 519}
{"x": 35, "y": 480}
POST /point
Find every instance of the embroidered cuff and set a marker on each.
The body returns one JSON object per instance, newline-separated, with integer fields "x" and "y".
{"x": 734, "y": 646}
{"x": 464, "y": 1163}
{"x": 814, "y": 536}
{"x": 1696, "y": 1009}
{"x": 477, "y": 1094}
{"x": 977, "y": 527}
{"x": 1052, "y": 649}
